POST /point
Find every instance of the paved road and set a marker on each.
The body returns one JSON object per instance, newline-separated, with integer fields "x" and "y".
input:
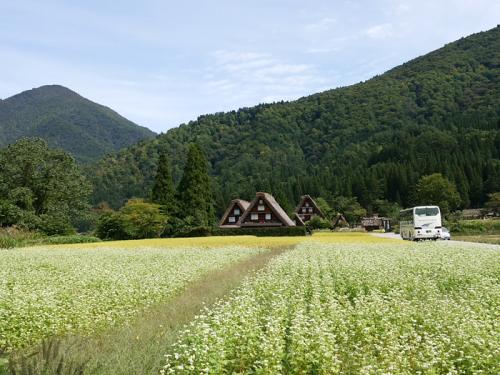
{"x": 391, "y": 235}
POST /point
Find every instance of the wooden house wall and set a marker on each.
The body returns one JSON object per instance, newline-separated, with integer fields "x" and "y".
{"x": 261, "y": 216}
{"x": 236, "y": 217}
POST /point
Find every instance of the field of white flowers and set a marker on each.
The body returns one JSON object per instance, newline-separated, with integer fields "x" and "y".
{"x": 47, "y": 291}
{"x": 372, "y": 308}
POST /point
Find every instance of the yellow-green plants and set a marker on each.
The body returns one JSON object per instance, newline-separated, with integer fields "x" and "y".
{"x": 372, "y": 308}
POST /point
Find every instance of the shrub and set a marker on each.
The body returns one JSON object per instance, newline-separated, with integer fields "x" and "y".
{"x": 470, "y": 227}
{"x": 136, "y": 220}
{"x": 193, "y": 232}
{"x": 318, "y": 223}
{"x": 112, "y": 226}
{"x": 55, "y": 224}
{"x": 57, "y": 240}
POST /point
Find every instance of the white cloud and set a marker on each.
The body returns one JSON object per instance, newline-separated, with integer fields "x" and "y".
{"x": 382, "y": 31}
{"x": 322, "y": 25}
{"x": 246, "y": 78}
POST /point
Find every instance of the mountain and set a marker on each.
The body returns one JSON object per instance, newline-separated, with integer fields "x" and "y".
{"x": 66, "y": 120}
{"x": 437, "y": 113}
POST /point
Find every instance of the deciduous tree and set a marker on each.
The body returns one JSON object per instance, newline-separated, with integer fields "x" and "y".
{"x": 435, "y": 189}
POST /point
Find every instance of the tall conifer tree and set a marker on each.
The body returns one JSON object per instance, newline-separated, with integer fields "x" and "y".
{"x": 163, "y": 192}
{"x": 195, "y": 192}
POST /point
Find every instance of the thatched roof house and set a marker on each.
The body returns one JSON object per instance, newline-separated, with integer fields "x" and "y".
{"x": 307, "y": 209}
{"x": 264, "y": 211}
{"x": 233, "y": 213}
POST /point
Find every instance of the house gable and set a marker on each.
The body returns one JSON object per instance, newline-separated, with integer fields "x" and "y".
{"x": 235, "y": 210}
{"x": 307, "y": 209}
{"x": 264, "y": 211}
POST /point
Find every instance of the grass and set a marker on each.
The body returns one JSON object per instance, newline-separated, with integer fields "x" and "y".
{"x": 485, "y": 238}
{"x": 475, "y": 227}
{"x": 14, "y": 237}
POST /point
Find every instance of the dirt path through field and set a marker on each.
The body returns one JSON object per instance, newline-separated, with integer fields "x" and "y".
{"x": 138, "y": 347}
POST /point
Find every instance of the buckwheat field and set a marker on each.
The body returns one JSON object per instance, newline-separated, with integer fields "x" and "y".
{"x": 52, "y": 291}
{"x": 369, "y": 309}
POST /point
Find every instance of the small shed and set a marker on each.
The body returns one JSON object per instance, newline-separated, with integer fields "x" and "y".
{"x": 376, "y": 222}
{"x": 340, "y": 222}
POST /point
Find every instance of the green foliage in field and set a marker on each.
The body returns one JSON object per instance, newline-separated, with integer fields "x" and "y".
{"x": 373, "y": 140}
{"x": 52, "y": 291}
{"x": 41, "y": 188}
{"x": 66, "y": 120}
{"x": 354, "y": 309}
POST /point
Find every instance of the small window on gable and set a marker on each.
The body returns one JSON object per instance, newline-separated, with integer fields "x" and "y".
{"x": 261, "y": 207}
{"x": 261, "y": 201}
{"x": 254, "y": 217}
{"x": 232, "y": 219}
{"x": 307, "y": 204}
{"x": 268, "y": 216}
{"x": 236, "y": 211}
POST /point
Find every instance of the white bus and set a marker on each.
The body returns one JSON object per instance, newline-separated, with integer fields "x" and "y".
{"x": 420, "y": 223}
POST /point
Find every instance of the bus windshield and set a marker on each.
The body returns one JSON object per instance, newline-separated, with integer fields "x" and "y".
{"x": 426, "y": 211}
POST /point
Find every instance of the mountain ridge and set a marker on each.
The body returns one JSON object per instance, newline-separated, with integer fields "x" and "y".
{"x": 436, "y": 113}
{"x": 67, "y": 120}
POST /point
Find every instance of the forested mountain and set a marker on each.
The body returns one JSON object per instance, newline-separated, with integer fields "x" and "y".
{"x": 66, "y": 120}
{"x": 375, "y": 139}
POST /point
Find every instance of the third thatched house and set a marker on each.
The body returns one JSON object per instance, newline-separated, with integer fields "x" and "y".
{"x": 307, "y": 209}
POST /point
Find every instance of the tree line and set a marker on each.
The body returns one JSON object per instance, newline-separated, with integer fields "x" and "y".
{"x": 44, "y": 190}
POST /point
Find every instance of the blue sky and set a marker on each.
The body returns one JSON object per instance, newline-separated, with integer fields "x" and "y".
{"x": 162, "y": 63}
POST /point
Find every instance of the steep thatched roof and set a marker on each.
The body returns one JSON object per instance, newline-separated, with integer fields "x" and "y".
{"x": 273, "y": 205}
{"x": 298, "y": 220}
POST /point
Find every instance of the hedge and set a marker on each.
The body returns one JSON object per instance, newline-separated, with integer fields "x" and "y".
{"x": 261, "y": 232}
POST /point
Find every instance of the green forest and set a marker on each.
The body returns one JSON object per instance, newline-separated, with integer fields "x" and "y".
{"x": 374, "y": 140}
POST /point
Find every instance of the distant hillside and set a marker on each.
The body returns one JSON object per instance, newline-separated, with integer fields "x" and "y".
{"x": 437, "y": 113}
{"x": 66, "y": 120}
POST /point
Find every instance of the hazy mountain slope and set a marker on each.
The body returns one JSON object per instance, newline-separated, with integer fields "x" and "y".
{"x": 437, "y": 113}
{"x": 66, "y": 120}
